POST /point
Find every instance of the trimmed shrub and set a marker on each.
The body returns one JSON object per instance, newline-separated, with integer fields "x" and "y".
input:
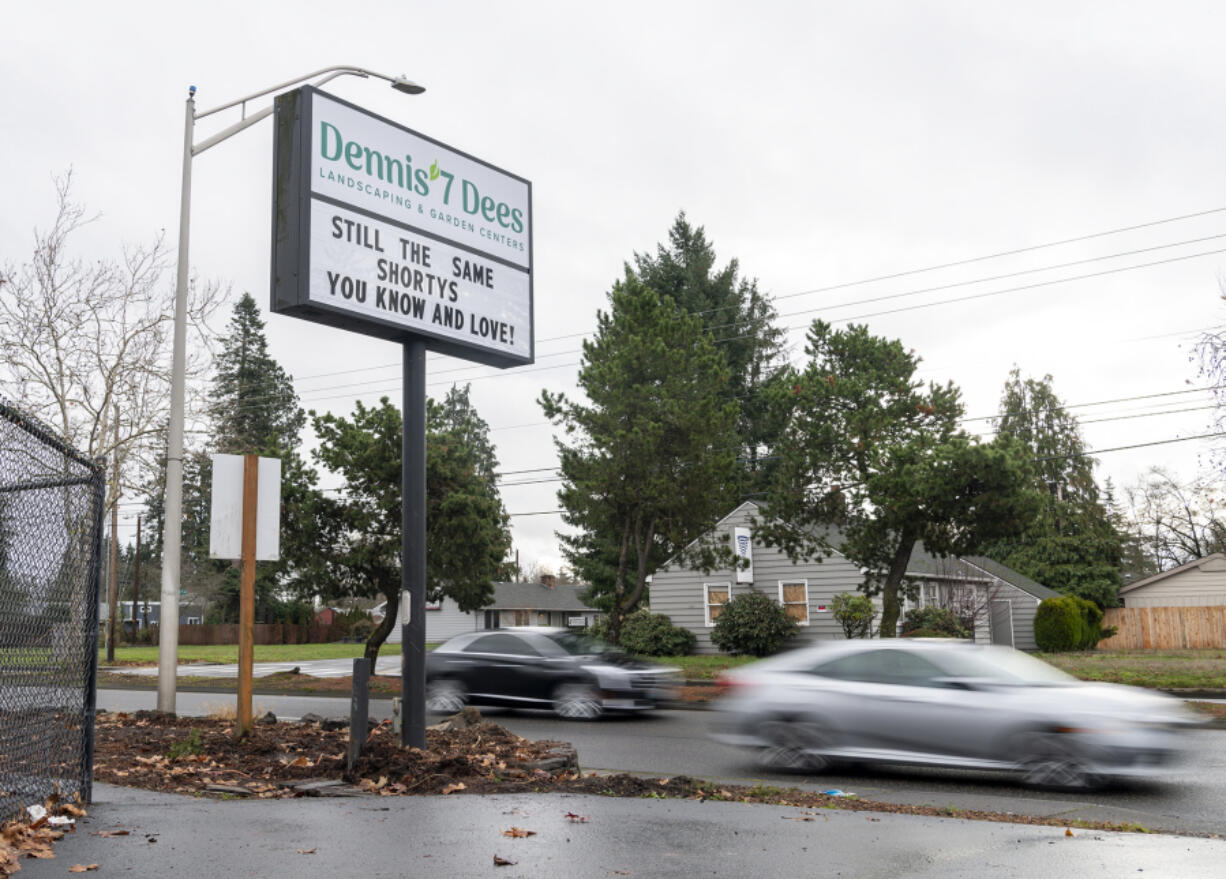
{"x": 941, "y": 620}
{"x": 1091, "y": 622}
{"x": 855, "y": 612}
{"x": 752, "y": 625}
{"x": 1071, "y": 623}
{"x": 925, "y": 633}
{"x": 599, "y": 628}
{"x": 653, "y": 634}
{"x": 1058, "y": 625}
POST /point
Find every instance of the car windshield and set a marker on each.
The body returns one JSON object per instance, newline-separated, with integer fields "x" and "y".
{"x": 580, "y": 645}
{"x": 1000, "y": 664}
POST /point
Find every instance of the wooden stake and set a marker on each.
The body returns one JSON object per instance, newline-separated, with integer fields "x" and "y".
{"x": 246, "y": 605}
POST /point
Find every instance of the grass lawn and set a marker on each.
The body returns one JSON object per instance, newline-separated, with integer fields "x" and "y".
{"x": 704, "y": 668}
{"x": 228, "y": 653}
{"x": 1146, "y": 668}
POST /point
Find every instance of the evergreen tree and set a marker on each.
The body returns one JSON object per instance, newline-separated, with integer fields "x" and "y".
{"x": 650, "y": 456}
{"x": 467, "y": 533}
{"x": 871, "y": 463}
{"x": 253, "y": 408}
{"x": 1072, "y": 545}
{"x": 740, "y": 320}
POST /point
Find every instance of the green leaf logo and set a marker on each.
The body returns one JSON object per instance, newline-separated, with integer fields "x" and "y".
{"x": 434, "y": 170}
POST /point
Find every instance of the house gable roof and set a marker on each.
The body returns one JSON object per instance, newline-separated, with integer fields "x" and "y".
{"x": 537, "y": 596}
{"x": 1012, "y": 577}
{"x": 1210, "y": 564}
{"x": 924, "y": 565}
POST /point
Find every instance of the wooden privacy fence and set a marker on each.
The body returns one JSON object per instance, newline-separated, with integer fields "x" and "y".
{"x": 1165, "y": 627}
{"x": 265, "y": 633}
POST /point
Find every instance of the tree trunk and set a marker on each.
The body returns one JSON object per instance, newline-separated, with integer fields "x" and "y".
{"x": 617, "y": 610}
{"x": 390, "y": 617}
{"x": 890, "y": 605}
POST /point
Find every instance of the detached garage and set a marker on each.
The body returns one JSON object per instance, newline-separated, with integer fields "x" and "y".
{"x": 1201, "y": 583}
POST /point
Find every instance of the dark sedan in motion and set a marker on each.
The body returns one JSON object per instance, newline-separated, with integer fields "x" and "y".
{"x": 573, "y": 674}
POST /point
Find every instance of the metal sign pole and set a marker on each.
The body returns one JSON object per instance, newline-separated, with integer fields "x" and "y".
{"x": 413, "y": 548}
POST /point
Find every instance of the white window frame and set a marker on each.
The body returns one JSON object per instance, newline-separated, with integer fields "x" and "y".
{"x": 706, "y": 599}
{"x": 808, "y": 610}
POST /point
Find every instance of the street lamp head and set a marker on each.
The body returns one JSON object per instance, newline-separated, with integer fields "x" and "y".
{"x": 407, "y": 86}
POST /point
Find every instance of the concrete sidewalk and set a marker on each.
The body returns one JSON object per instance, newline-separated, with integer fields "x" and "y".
{"x": 461, "y": 835}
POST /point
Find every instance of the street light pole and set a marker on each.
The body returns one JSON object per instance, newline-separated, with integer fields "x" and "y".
{"x": 172, "y": 529}
{"x": 172, "y": 532}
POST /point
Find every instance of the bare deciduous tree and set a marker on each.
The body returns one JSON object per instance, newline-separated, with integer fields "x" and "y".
{"x": 80, "y": 339}
{"x": 1175, "y": 522}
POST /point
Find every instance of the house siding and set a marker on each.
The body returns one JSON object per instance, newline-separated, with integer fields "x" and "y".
{"x": 679, "y": 595}
{"x": 1202, "y": 586}
{"x": 441, "y": 624}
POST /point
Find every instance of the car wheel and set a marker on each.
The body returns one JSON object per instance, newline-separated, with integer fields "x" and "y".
{"x": 791, "y": 743}
{"x": 1054, "y": 760}
{"x": 446, "y": 696}
{"x": 577, "y": 702}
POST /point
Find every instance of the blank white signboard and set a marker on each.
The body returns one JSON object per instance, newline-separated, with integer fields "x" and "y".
{"x": 226, "y": 515}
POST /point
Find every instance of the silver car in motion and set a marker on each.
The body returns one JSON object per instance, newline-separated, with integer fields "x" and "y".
{"x": 944, "y": 703}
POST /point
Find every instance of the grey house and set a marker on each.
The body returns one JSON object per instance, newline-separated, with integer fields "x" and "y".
{"x": 1001, "y": 601}
{"x": 547, "y": 603}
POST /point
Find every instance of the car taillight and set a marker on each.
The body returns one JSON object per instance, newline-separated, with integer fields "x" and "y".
{"x": 726, "y": 685}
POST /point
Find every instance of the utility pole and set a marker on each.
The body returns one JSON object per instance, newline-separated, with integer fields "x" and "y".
{"x": 136, "y": 581}
{"x": 113, "y": 591}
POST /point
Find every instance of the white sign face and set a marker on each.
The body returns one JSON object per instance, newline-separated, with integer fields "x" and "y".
{"x": 226, "y": 514}
{"x": 380, "y": 270}
{"x": 742, "y": 546}
{"x": 384, "y": 231}
{"x": 362, "y": 161}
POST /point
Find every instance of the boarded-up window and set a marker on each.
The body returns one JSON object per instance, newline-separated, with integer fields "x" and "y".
{"x": 795, "y": 600}
{"x": 521, "y": 618}
{"x": 542, "y": 618}
{"x": 717, "y": 597}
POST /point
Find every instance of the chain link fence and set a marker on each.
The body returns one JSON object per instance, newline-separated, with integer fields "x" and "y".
{"x": 51, "y": 500}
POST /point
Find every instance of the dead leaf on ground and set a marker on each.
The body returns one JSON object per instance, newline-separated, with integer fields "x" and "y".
{"x": 502, "y": 862}
{"x": 308, "y": 851}
{"x": 82, "y": 868}
{"x": 518, "y": 833}
{"x": 1068, "y": 831}
{"x": 452, "y": 788}
{"x": 577, "y": 819}
{"x": 796, "y": 817}
{"x": 108, "y": 833}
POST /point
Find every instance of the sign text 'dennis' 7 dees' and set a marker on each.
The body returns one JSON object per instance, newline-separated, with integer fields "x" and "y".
{"x": 383, "y": 231}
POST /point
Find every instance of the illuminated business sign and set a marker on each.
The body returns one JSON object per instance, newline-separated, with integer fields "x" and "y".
{"x": 384, "y": 231}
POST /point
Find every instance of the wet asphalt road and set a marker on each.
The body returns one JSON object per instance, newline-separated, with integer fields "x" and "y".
{"x": 1189, "y": 798}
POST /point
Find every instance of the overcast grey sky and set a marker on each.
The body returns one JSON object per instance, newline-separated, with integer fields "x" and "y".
{"x": 820, "y": 144}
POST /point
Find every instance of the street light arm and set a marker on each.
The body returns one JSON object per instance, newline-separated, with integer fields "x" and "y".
{"x": 398, "y": 82}
{"x": 234, "y": 129}
{"x": 339, "y": 70}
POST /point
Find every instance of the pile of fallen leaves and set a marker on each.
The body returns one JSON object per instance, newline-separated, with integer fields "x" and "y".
{"x": 202, "y": 755}
{"x": 33, "y": 834}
